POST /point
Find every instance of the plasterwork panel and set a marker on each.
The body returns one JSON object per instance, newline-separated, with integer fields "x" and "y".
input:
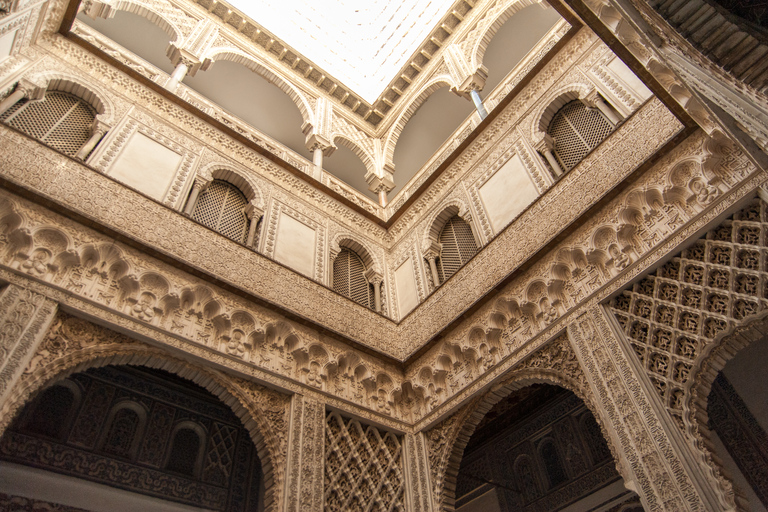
{"x": 489, "y": 341}
{"x": 306, "y": 454}
{"x": 189, "y": 313}
{"x": 663, "y": 478}
{"x": 72, "y": 344}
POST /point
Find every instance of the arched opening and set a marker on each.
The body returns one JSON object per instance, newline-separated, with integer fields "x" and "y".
{"x": 576, "y": 130}
{"x": 427, "y": 129}
{"x": 737, "y": 408}
{"x": 60, "y": 120}
{"x": 512, "y": 42}
{"x": 347, "y": 166}
{"x": 221, "y": 207}
{"x": 122, "y": 29}
{"x": 539, "y": 448}
{"x": 190, "y": 449}
{"x": 458, "y": 247}
{"x": 252, "y": 98}
{"x": 349, "y": 278}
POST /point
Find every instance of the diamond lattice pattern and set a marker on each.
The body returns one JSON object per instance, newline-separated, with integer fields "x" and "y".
{"x": 59, "y": 120}
{"x": 671, "y": 315}
{"x": 577, "y": 130}
{"x": 363, "y": 469}
{"x": 221, "y": 207}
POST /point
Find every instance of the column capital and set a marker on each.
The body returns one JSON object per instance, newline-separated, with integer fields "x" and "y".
{"x": 180, "y": 55}
{"x": 547, "y": 143}
{"x": 31, "y": 90}
{"x": 472, "y": 82}
{"x": 378, "y": 184}
{"x": 99, "y": 127}
{"x": 201, "y": 182}
{"x": 592, "y": 98}
{"x": 373, "y": 276}
{"x": 315, "y": 141}
{"x": 432, "y": 251}
{"x": 253, "y": 211}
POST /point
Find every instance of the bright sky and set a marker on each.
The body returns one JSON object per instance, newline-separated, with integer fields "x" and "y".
{"x": 363, "y": 43}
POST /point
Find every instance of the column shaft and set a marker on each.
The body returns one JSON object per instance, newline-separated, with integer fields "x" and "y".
{"x": 377, "y": 296}
{"x": 478, "y": 104}
{"x": 177, "y": 77}
{"x": 553, "y": 162}
{"x": 24, "y": 319}
{"x": 11, "y": 100}
{"x": 90, "y": 144}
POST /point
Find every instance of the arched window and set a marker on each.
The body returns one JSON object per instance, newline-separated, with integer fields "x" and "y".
{"x": 553, "y": 465}
{"x": 576, "y": 131}
{"x": 458, "y": 247}
{"x": 221, "y": 207}
{"x": 121, "y": 436}
{"x": 51, "y": 412}
{"x": 349, "y": 278}
{"x": 60, "y": 120}
{"x": 185, "y": 451}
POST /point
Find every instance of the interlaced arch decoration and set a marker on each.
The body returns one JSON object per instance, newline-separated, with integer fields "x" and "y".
{"x": 555, "y": 364}
{"x": 577, "y": 130}
{"x": 349, "y": 278}
{"x": 686, "y": 319}
{"x": 61, "y": 120}
{"x": 221, "y": 207}
{"x": 73, "y": 345}
{"x": 458, "y": 247}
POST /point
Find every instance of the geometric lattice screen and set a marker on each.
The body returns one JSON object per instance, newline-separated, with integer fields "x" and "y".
{"x": 60, "y": 120}
{"x": 576, "y": 131}
{"x": 221, "y": 207}
{"x": 458, "y": 247}
{"x": 363, "y": 469}
{"x": 672, "y": 314}
{"x": 349, "y": 278}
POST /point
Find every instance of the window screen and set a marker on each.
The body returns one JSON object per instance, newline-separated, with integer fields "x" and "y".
{"x": 349, "y": 278}
{"x": 60, "y": 120}
{"x": 577, "y": 130}
{"x": 221, "y": 207}
{"x": 458, "y": 247}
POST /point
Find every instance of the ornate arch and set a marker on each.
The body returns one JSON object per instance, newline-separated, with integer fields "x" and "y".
{"x": 362, "y": 249}
{"x": 357, "y": 149}
{"x": 713, "y": 359}
{"x": 555, "y": 364}
{"x": 73, "y": 345}
{"x": 175, "y": 33}
{"x": 436, "y": 221}
{"x": 236, "y": 177}
{"x": 264, "y": 71}
{"x": 483, "y": 40}
{"x": 87, "y": 90}
{"x": 393, "y": 135}
{"x": 548, "y": 107}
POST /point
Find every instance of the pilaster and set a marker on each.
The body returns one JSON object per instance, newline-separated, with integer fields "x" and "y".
{"x": 418, "y": 487}
{"x": 306, "y": 456}
{"x": 663, "y": 468}
{"x": 24, "y": 319}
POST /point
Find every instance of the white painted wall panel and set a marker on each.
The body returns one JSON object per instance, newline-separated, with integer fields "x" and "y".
{"x": 407, "y": 295}
{"x": 507, "y": 193}
{"x": 146, "y": 165}
{"x": 295, "y": 245}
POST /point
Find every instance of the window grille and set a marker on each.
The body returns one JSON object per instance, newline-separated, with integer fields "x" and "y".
{"x": 576, "y": 131}
{"x": 60, "y": 120}
{"x": 349, "y": 278}
{"x": 122, "y": 433}
{"x": 458, "y": 247}
{"x": 221, "y": 207}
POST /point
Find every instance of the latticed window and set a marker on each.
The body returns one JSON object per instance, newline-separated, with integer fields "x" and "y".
{"x": 458, "y": 247}
{"x": 122, "y": 432}
{"x": 349, "y": 278}
{"x": 221, "y": 207}
{"x": 576, "y": 131}
{"x": 60, "y": 120}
